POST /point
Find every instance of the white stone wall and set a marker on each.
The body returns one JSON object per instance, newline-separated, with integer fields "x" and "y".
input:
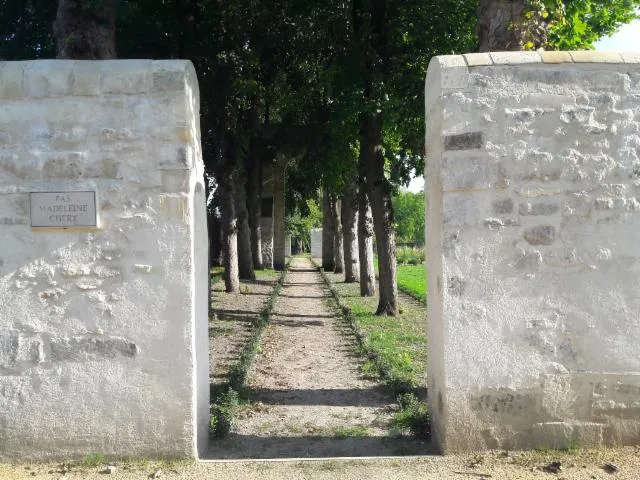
{"x": 103, "y": 332}
{"x": 533, "y": 192}
{"x": 316, "y": 243}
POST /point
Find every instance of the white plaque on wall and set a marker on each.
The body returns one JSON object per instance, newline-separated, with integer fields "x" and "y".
{"x": 63, "y": 209}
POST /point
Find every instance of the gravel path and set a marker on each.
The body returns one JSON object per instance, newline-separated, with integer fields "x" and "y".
{"x": 308, "y": 397}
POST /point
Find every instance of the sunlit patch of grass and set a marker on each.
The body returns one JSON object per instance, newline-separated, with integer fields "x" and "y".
{"x": 352, "y": 431}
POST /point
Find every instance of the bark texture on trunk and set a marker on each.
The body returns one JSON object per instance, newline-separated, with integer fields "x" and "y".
{"x": 380, "y": 196}
{"x": 327, "y": 233}
{"x": 338, "y": 251}
{"x": 230, "y": 235}
{"x": 495, "y": 18}
{"x": 215, "y": 239}
{"x": 84, "y": 32}
{"x": 254, "y": 199}
{"x": 349, "y": 219}
{"x": 245, "y": 257}
{"x": 365, "y": 242}
{"x": 279, "y": 227}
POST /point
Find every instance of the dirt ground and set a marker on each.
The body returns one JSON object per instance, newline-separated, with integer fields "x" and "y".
{"x": 586, "y": 465}
{"x": 308, "y": 396}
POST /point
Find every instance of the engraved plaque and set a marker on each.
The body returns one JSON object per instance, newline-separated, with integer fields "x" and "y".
{"x": 63, "y": 209}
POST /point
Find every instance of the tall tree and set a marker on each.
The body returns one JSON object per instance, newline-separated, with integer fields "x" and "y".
{"x": 496, "y": 19}
{"x": 328, "y": 235}
{"x": 86, "y": 30}
{"x": 349, "y": 219}
{"x": 338, "y": 251}
{"x": 245, "y": 255}
{"x": 549, "y": 24}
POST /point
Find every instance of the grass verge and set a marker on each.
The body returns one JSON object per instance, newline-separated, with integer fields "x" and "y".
{"x": 412, "y": 280}
{"x": 394, "y": 348}
{"x": 227, "y": 398}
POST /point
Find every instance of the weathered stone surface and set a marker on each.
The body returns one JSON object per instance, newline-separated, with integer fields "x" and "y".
{"x": 531, "y": 251}
{"x": 503, "y": 206}
{"x": 103, "y": 330}
{"x": 543, "y": 208}
{"x": 463, "y": 141}
{"x": 540, "y": 235}
{"x": 90, "y": 347}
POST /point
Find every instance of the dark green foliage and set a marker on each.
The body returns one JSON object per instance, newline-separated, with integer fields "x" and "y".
{"x": 409, "y": 214}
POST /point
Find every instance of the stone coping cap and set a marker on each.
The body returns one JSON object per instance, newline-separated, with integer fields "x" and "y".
{"x": 553, "y": 57}
{"x": 58, "y": 78}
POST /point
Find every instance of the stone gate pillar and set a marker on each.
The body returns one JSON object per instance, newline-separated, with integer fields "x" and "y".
{"x": 103, "y": 266}
{"x": 533, "y": 194}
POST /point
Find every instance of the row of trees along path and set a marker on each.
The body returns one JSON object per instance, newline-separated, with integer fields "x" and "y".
{"x": 331, "y": 88}
{"x": 308, "y": 396}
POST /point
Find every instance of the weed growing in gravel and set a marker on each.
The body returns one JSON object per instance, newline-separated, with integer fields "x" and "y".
{"x": 93, "y": 460}
{"x": 217, "y": 331}
{"x": 352, "y": 431}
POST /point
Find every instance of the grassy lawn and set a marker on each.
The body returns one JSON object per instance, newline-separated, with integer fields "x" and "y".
{"x": 396, "y": 346}
{"x": 412, "y": 279}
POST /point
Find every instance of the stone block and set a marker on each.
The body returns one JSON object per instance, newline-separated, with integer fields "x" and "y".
{"x": 448, "y": 72}
{"x": 80, "y": 349}
{"x": 12, "y": 80}
{"x": 535, "y": 209}
{"x": 172, "y": 157}
{"x": 503, "y": 206}
{"x": 86, "y": 78}
{"x": 464, "y": 141}
{"x": 48, "y": 78}
{"x": 541, "y": 235}
{"x": 478, "y": 59}
{"x": 515, "y": 58}
{"x": 126, "y": 76}
{"x": 630, "y": 57}
{"x": 591, "y": 56}
{"x": 468, "y": 173}
{"x": 555, "y": 57}
{"x": 169, "y": 76}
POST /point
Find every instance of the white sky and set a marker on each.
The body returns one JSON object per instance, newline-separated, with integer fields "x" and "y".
{"x": 627, "y": 39}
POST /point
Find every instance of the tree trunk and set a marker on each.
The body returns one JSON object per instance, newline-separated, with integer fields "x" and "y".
{"x": 254, "y": 204}
{"x": 380, "y": 197}
{"x": 245, "y": 257}
{"x": 327, "y": 234}
{"x": 215, "y": 239}
{"x": 365, "y": 242}
{"x": 84, "y": 32}
{"x": 349, "y": 218}
{"x": 338, "y": 251}
{"x": 230, "y": 235}
{"x": 279, "y": 213}
{"x": 495, "y": 21}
